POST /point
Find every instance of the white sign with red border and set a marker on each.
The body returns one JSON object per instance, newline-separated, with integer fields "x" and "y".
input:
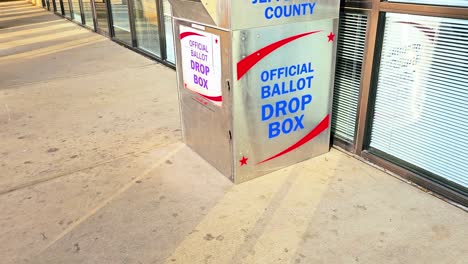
{"x": 201, "y": 63}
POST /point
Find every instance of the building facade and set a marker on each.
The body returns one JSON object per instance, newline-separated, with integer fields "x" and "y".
{"x": 401, "y": 84}
{"x": 142, "y": 25}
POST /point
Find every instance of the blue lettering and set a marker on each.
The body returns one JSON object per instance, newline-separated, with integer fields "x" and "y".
{"x": 264, "y": 76}
{"x": 281, "y": 107}
{"x": 269, "y": 15}
{"x": 286, "y": 71}
{"x": 278, "y": 12}
{"x": 312, "y": 7}
{"x": 287, "y": 12}
{"x": 309, "y": 81}
{"x": 306, "y": 99}
{"x": 303, "y": 69}
{"x": 274, "y": 129}
{"x": 304, "y": 6}
{"x": 294, "y": 105}
{"x": 267, "y": 108}
{"x": 276, "y": 90}
{"x": 285, "y": 87}
{"x": 296, "y": 10}
{"x": 266, "y": 91}
{"x": 287, "y": 126}
{"x": 292, "y": 70}
{"x": 299, "y": 124}
{"x": 290, "y": 10}
{"x": 301, "y": 84}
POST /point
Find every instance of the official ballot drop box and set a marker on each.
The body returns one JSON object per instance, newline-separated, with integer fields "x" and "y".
{"x": 255, "y": 81}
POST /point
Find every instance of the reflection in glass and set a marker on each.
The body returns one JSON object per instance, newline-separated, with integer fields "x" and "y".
{"x": 56, "y": 5}
{"x": 146, "y": 24}
{"x": 101, "y": 15}
{"x": 76, "y": 10}
{"x": 66, "y": 8}
{"x": 121, "y": 21}
{"x": 168, "y": 31}
{"x": 88, "y": 14}
{"x": 420, "y": 109}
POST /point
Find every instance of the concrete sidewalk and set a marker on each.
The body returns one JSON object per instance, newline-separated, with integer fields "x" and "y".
{"x": 92, "y": 170}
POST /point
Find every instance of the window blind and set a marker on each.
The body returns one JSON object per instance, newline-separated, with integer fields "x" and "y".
{"x": 421, "y": 110}
{"x": 350, "y": 54}
{"x": 460, "y": 3}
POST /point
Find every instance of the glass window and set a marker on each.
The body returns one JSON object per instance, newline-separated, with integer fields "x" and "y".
{"x": 461, "y": 3}
{"x": 121, "y": 22}
{"x": 101, "y": 16}
{"x": 421, "y": 108}
{"x": 56, "y": 5}
{"x": 168, "y": 30}
{"x": 76, "y": 10}
{"x": 357, "y": 3}
{"x": 146, "y": 24}
{"x": 88, "y": 13}
{"x": 350, "y": 54}
{"x": 66, "y": 8}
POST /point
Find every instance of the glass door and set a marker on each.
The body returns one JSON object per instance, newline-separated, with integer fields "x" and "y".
{"x": 146, "y": 25}
{"x": 102, "y": 25}
{"x": 76, "y": 11}
{"x": 169, "y": 37}
{"x": 66, "y": 9}
{"x": 121, "y": 20}
{"x": 57, "y": 6}
{"x": 46, "y": 4}
{"x": 88, "y": 13}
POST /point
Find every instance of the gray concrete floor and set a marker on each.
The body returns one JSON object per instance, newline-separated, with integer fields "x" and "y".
{"x": 92, "y": 170}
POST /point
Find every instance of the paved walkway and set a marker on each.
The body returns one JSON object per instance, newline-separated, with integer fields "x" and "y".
{"x": 92, "y": 170}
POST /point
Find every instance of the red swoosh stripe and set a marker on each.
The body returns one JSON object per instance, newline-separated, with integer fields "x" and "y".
{"x": 188, "y": 33}
{"x": 322, "y": 126}
{"x": 212, "y": 98}
{"x": 244, "y": 65}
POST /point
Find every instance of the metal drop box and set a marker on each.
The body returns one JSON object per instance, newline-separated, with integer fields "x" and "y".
{"x": 255, "y": 81}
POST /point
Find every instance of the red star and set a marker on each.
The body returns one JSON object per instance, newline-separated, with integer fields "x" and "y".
{"x": 331, "y": 37}
{"x": 243, "y": 161}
